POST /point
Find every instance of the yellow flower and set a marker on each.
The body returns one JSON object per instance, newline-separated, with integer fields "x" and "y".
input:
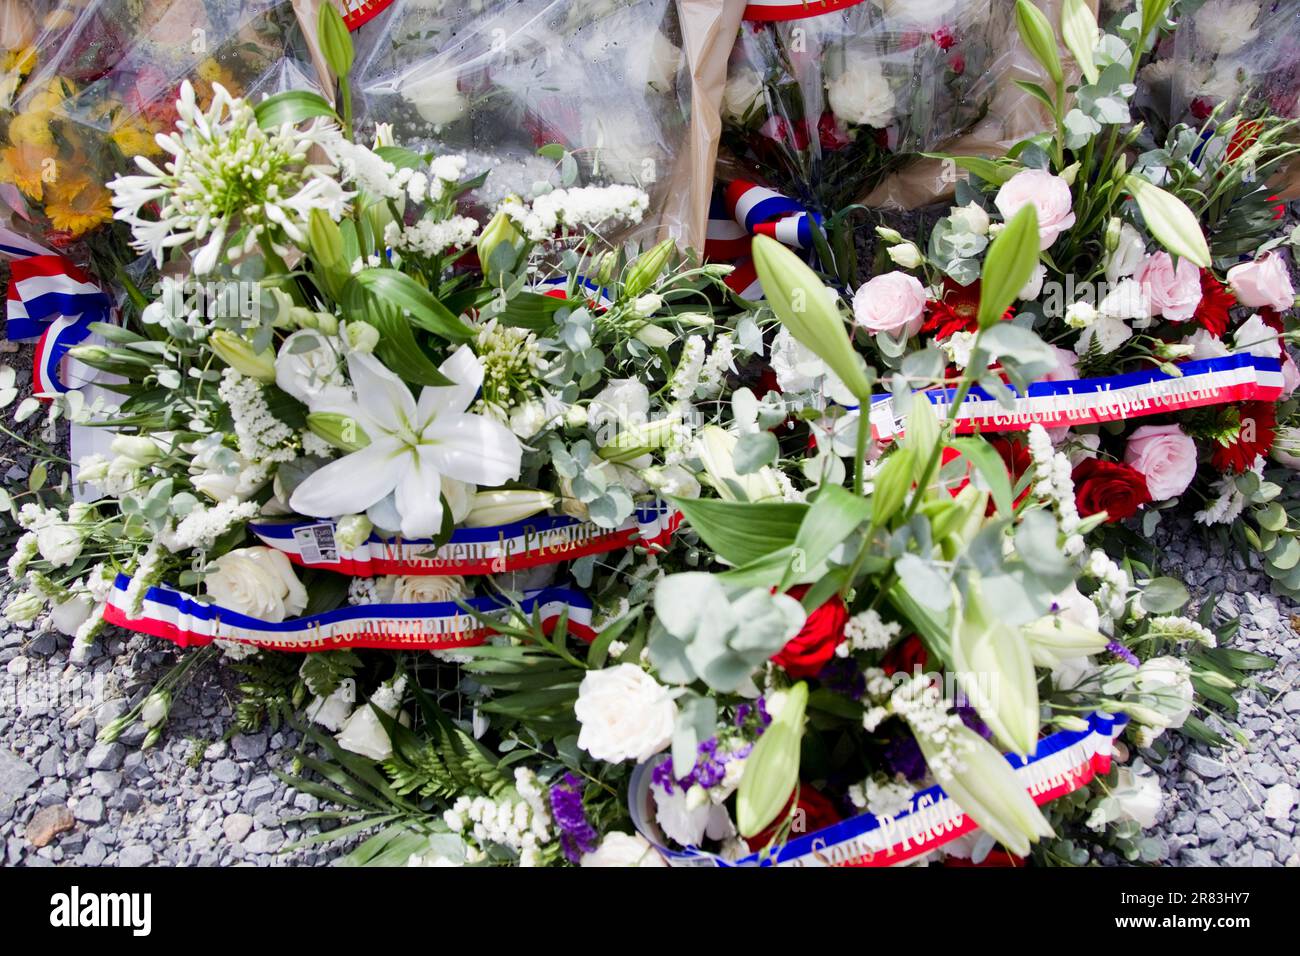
{"x": 20, "y": 61}
{"x": 78, "y": 205}
{"x": 26, "y": 166}
{"x": 134, "y": 138}
{"x": 30, "y": 129}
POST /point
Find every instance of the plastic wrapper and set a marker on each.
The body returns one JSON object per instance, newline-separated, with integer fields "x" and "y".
{"x": 823, "y": 106}
{"x": 101, "y": 80}
{"x": 1231, "y": 55}
{"x": 1011, "y": 116}
{"x": 605, "y": 80}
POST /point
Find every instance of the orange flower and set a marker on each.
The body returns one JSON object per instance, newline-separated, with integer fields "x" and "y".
{"x": 28, "y": 167}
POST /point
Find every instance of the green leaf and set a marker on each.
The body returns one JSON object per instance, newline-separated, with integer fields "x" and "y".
{"x": 986, "y": 169}
{"x": 832, "y": 517}
{"x": 753, "y": 451}
{"x": 398, "y": 349}
{"x": 1008, "y": 265}
{"x": 292, "y": 107}
{"x": 1164, "y": 595}
{"x": 991, "y": 466}
{"x": 1036, "y": 91}
{"x": 741, "y": 532}
{"x": 396, "y": 288}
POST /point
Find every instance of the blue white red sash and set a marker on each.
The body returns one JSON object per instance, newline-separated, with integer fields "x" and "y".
{"x": 744, "y": 210}
{"x": 544, "y": 539}
{"x": 794, "y": 9}
{"x": 557, "y": 287}
{"x": 1062, "y": 763}
{"x": 50, "y": 300}
{"x": 1239, "y": 377}
{"x": 357, "y": 12}
{"x": 432, "y": 626}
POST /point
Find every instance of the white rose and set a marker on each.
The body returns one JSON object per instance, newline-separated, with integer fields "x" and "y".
{"x": 59, "y": 543}
{"x": 625, "y": 714}
{"x": 363, "y": 733}
{"x": 623, "y": 849}
{"x": 1137, "y": 794}
{"x": 860, "y": 93}
{"x": 306, "y": 365}
{"x": 971, "y": 218}
{"x": 332, "y": 712}
{"x": 1129, "y": 254}
{"x": 743, "y": 87}
{"x": 436, "y": 98}
{"x": 258, "y": 582}
{"x": 426, "y": 588}
{"x": 663, "y": 60}
{"x": 528, "y": 419}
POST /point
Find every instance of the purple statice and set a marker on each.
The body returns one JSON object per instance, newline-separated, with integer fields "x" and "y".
{"x": 709, "y": 769}
{"x": 759, "y": 707}
{"x": 577, "y": 835}
{"x": 1122, "y": 653}
{"x": 903, "y": 755}
{"x": 841, "y": 675}
{"x": 971, "y": 719}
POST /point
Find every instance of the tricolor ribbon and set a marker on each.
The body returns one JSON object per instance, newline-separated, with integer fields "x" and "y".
{"x": 1240, "y": 377}
{"x": 429, "y": 626}
{"x": 545, "y": 539}
{"x": 1062, "y": 763}
{"x": 768, "y": 10}
{"x": 558, "y": 287}
{"x": 358, "y": 12}
{"x": 52, "y": 301}
{"x": 744, "y": 210}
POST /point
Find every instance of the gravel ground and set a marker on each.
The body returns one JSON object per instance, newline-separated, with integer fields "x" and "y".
{"x": 1237, "y": 806}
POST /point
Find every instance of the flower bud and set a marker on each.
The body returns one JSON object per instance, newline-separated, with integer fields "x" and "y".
{"x": 1039, "y": 39}
{"x": 637, "y": 440}
{"x": 236, "y": 352}
{"x": 646, "y": 269}
{"x": 361, "y": 336}
{"x": 647, "y": 305}
{"x": 155, "y": 707}
{"x": 25, "y": 607}
{"x": 772, "y": 767}
{"x": 889, "y": 235}
{"x": 716, "y": 449}
{"x": 698, "y": 320}
{"x": 341, "y": 431}
{"x": 136, "y": 449}
{"x": 906, "y": 255}
{"x": 500, "y": 233}
{"x": 654, "y": 336}
{"x": 489, "y": 508}
{"x": 1053, "y": 639}
{"x": 352, "y": 531}
{"x": 1170, "y": 221}
{"x": 995, "y": 668}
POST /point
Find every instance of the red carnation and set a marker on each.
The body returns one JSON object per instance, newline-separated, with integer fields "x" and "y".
{"x": 830, "y": 133}
{"x": 1109, "y": 486}
{"x": 815, "y": 812}
{"x": 1257, "y": 428}
{"x": 1212, "y": 312}
{"x": 805, "y": 654}
{"x": 956, "y": 310}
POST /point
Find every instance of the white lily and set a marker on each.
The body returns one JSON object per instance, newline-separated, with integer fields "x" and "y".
{"x": 413, "y": 446}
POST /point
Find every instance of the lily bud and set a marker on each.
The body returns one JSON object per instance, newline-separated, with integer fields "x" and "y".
{"x": 488, "y": 508}
{"x": 361, "y": 336}
{"x": 500, "y": 232}
{"x": 341, "y": 431}
{"x": 654, "y": 336}
{"x": 1053, "y": 639}
{"x": 1174, "y": 225}
{"x": 325, "y": 238}
{"x": 1039, "y": 39}
{"x": 1114, "y": 231}
{"x": 236, "y": 352}
{"x": 987, "y": 789}
{"x": 1079, "y": 30}
{"x": 772, "y": 768}
{"x": 646, "y": 269}
{"x": 638, "y": 440}
{"x": 806, "y": 308}
{"x": 995, "y": 668}
{"x": 137, "y": 449}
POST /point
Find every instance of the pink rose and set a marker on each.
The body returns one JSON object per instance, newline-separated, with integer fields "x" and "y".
{"x": 1290, "y": 375}
{"x": 1050, "y": 196}
{"x": 1264, "y": 283}
{"x": 1165, "y": 456}
{"x": 893, "y": 302}
{"x": 1173, "y": 293}
{"x": 1067, "y": 365}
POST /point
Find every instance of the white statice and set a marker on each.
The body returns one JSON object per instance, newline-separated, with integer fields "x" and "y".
{"x": 624, "y": 713}
{"x": 583, "y": 207}
{"x": 431, "y": 236}
{"x": 522, "y": 825}
{"x": 919, "y": 702}
{"x": 1178, "y": 628}
{"x": 1114, "y": 585}
{"x": 686, "y": 377}
{"x": 868, "y": 631}
{"x": 225, "y": 171}
{"x": 262, "y": 438}
{"x": 204, "y": 525}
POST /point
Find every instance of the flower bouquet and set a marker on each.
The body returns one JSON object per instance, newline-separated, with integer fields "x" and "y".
{"x": 543, "y": 92}
{"x": 822, "y": 100}
{"x": 346, "y": 407}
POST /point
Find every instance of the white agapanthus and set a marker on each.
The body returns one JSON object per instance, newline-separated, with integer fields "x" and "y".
{"x": 226, "y": 171}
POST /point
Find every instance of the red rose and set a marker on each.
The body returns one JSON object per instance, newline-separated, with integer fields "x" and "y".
{"x": 830, "y": 133}
{"x": 1109, "y": 486}
{"x": 908, "y": 655}
{"x": 818, "y": 812}
{"x": 805, "y": 654}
